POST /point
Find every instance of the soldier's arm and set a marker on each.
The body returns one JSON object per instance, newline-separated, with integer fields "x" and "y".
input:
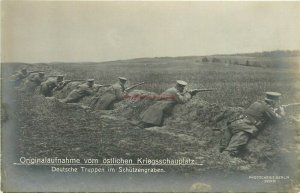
{"x": 273, "y": 115}
{"x": 97, "y": 87}
{"x": 17, "y": 76}
{"x": 89, "y": 91}
{"x": 182, "y": 98}
{"x": 32, "y": 77}
{"x": 14, "y": 77}
{"x": 119, "y": 93}
{"x": 59, "y": 86}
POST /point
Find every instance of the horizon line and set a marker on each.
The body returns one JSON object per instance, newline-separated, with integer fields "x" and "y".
{"x": 154, "y": 57}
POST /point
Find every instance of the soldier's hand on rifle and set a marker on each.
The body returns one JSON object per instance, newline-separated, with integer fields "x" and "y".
{"x": 280, "y": 110}
{"x": 66, "y": 82}
{"x": 193, "y": 92}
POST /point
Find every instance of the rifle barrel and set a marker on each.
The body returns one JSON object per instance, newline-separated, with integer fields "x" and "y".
{"x": 292, "y": 104}
{"x": 209, "y": 89}
{"x": 105, "y": 85}
{"x": 132, "y": 87}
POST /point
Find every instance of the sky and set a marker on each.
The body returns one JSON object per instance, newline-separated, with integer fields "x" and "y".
{"x": 94, "y": 31}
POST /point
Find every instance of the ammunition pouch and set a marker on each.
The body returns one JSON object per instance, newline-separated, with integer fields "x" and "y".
{"x": 251, "y": 120}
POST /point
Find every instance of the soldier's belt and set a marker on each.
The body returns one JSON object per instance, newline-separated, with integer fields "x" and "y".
{"x": 251, "y": 120}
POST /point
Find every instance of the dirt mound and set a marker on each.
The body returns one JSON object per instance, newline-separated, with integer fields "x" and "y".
{"x": 51, "y": 128}
{"x": 203, "y": 123}
{"x": 134, "y": 104}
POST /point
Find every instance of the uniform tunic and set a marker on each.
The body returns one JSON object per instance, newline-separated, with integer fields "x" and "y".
{"x": 239, "y": 131}
{"x": 113, "y": 94}
{"x": 154, "y": 115}
{"x": 32, "y": 82}
{"x": 48, "y": 86}
{"x": 18, "y": 78}
{"x": 77, "y": 94}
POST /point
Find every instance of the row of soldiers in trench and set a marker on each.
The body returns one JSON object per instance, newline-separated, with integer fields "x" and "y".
{"x": 236, "y": 136}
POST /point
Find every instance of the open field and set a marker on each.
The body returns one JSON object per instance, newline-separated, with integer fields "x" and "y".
{"x": 235, "y": 85}
{"x": 46, "y": 127}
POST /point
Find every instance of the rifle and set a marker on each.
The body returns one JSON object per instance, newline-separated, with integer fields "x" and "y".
{"x": 132, "y": 87}
{"x": 98, "y": 86}
{"x": 65, "y": 82}
{"x": 36, "y": 71}
{"x": 68, "y": 81}
{"x": 105, "y": 85}
{"x": 290, "y": 105}
{"x": 195, "y": 91}
{"x": 286, "y": 108}
{"x": 50, "y": 76}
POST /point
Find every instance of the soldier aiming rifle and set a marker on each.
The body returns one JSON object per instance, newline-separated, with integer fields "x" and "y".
{"x": 47, "y": 87}
{"x": 65, "y": 82}
{"x": 247, "y": 125}
{"x": 33, "y": 81}
{"x": 155, "y": 114}
{"x": 113, "y": 94}
{"x": 18, "y": 77}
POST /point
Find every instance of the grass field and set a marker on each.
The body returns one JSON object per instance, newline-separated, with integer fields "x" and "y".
{"x": 235, "y": 85}
{"x": 46, "y": 127}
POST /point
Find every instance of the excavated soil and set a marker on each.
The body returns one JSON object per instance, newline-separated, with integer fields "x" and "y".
{"x": 48, "y": 128}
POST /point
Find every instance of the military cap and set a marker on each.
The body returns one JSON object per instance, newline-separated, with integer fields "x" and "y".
{"x": 41, "y": 73}
{"x": 122, "y": 78}
{"x": 181, "y": 82}
{"x": 24, "y": 69}
{"x": 272, "y": 96}
{"x": 60, "y": 78}
{"x": 90, "y": 80}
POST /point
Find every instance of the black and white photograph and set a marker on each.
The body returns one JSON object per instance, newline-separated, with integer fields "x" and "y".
{"x": 150, "y": 96}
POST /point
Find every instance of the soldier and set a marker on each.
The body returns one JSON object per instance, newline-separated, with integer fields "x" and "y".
{"x": 33, "y": 81}
{"x": 155, "y": 114}
{"x": 19, "y": 76}
{"x": 50, "y": 85}
{"x": 114, "y": 93}
{"x": 81, "y": 91}
{"x": 259, "y": 115}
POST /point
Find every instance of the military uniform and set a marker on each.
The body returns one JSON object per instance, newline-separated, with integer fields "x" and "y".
{"x": 33, "y": 81}
{"x": 19, "y": 77}
{"x": 48, "y": 86}
{"x": 77, "y": 94}
{"x": 155, "y": 114}
{"x": 247, "y": 125}
{"x": 111, "y": 95}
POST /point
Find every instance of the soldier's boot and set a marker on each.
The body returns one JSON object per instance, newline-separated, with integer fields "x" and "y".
{"x": 144, "y": 125}
{"x": 221, "y": 149}
{"x": 226, "y": 154}
{"x": 237, "y": 141}
{"x": 225, "y": 140}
